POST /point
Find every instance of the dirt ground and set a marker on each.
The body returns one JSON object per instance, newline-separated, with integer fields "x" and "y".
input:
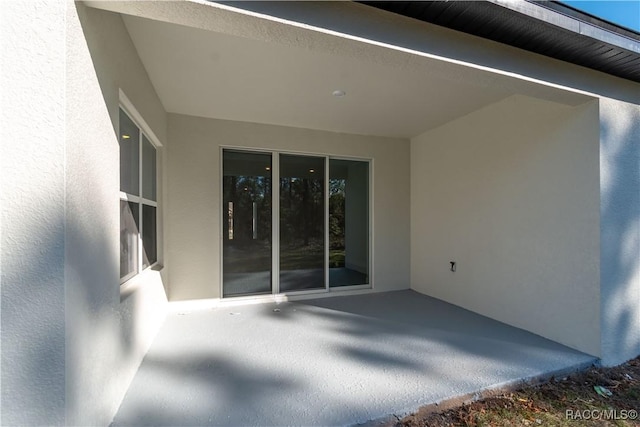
{"x": 596, "y": 397}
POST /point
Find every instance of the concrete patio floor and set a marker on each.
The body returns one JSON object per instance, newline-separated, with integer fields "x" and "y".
{"x": 329, "y": 361}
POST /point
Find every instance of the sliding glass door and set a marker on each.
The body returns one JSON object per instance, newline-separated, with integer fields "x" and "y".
{"x": 348, "y": 223}
{"x": 246, "y": 208}
{"x": 317, "y": 214}
{"x": 302, "y": 220}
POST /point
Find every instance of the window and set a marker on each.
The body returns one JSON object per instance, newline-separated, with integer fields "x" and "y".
{"x": 138, "y": 200}
{"x": 294, "y": 222}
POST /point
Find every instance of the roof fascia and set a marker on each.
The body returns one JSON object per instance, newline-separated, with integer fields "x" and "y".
{"x": 540, "y": 12}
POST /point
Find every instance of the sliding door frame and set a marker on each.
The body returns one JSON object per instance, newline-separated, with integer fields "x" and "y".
{"x": 275, "y": 221}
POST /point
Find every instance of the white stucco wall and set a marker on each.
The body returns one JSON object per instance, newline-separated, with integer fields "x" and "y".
{"x": 32, "y": 208}
{"x": 406, "y": 41}
{"x": 194, "y": 192}
{"x": 69, "y": 345}
{"x": 109, "y": 328}
{"x": 619, "y": 99}
{"x": 620, "y": 230}
{"x": 59, "y": 192}
{"x": 511, "y": 193}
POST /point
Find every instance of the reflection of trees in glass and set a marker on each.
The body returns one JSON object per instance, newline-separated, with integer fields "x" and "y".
{"x": 302, "y": 217}
{"x": 243, "y": 252}
{"x": 244, "y": 191}
{"x": 336, "y": 222}
{"x": 301, "y": 211}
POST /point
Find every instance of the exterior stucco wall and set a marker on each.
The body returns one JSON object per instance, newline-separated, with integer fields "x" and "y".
{"x": 32, "y": 206}
{"x": 511, "y": 193}
{"x": 619, "y": 99}
{"x": 109, "y": 328}
{"x": 374, "y": 26}
{"x": 70, "y": 347}
{"x": 59, "y": 192}
{"x": 620, "y": 230}
{"x": 406, "y": 41}
{"x": 194, "y": 192}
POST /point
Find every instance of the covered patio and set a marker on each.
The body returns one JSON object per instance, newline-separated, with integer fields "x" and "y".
{"x": 495, "y": 223}
{"x": 467, "y": 163}
{"x": 329, "y": 361}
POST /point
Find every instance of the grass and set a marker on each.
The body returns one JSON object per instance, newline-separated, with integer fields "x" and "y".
{"x": 336, "y": 258}
{"x": 256, "y": 256}
{"x": 568, "y": 401}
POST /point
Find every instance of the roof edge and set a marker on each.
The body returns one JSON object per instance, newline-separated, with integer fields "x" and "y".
{"x": 567, "y": 9}
{"x": 542, "y": 11}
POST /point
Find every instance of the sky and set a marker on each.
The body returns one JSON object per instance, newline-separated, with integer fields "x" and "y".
{"x": 622, "y": 12}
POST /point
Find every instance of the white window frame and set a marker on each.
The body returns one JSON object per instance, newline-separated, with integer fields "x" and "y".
{"x": 144, "y": 130}
{"x": 275, "y": 225}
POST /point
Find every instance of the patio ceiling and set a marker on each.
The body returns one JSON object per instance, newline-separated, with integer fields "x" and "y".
{"x": 201, "y": 73}
{"x": 236, "y": 65}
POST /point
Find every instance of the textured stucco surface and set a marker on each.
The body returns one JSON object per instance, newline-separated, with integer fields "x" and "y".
{"x": 107, "y": 334}
{"x": 62, "y": 66}
{"x": 91, "y": 246}
{"x": 353, "y": 30}
{"x": 194, "y": 191}
{"x": 332, "y": 361}
{"x": 32, "y": 206}
{"x": 511, "y": 193}
{"x": 69, "y": 346}
{"x": 374, "y": 36}
{"x": 487, "y": 62}
{"x": 281, "y": 74}
{"x": 620, "y": 230}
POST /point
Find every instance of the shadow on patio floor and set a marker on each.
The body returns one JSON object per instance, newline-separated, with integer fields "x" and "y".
{"x": 330, "y": 361}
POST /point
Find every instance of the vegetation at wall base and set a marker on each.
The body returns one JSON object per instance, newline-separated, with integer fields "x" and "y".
{"x": 576, "y": 400}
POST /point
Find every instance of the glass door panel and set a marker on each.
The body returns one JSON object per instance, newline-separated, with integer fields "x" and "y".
{"x": 348, "y": 223}
{"x": 246, "y": 248}
{"x": 302, "y": 222}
